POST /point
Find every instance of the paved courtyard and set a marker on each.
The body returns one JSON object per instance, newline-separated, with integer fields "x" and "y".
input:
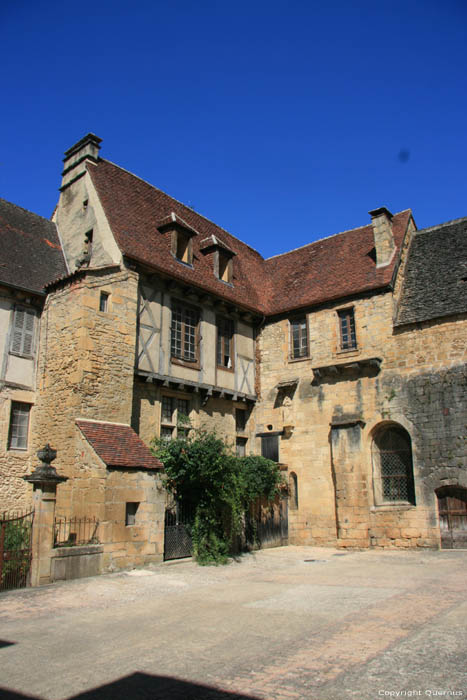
{"x": 280, "y": 624}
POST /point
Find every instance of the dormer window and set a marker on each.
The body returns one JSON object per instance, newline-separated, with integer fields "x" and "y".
{"x": 182, "y": 237}
{"x": 222, "y": 257}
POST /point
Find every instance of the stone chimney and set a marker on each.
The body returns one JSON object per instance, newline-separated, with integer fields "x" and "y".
{"x": 382, "y": 231}
{"x": 76, "y": 156}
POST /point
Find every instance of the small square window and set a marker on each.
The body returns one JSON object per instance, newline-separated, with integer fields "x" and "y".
{"x": 347, "y": 329}
{"x": 19, "y": 426}
{"x": 104, "y": 302}
{"x": 130, "y": 513}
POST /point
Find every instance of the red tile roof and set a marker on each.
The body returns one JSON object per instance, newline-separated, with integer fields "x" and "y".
{"x": 336, "y": 267}
{"x": 118, "y": 445}
{"x": 340, "y": 266}
{"x": 135, "y": 209}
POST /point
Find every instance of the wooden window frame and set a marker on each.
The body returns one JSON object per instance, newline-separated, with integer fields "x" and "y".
{"x": 292, "y": 323}
{"x": 22, "y": 338}
{"x": 347, "y": 327}
{"x": 182, "y": 359}
{"x": 24, "y": 409}
{"x": 221, "y": 342}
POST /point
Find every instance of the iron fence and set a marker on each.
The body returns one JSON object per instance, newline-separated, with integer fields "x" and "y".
{"x": 15, "y": 548}
{"x": 71, "y": 532}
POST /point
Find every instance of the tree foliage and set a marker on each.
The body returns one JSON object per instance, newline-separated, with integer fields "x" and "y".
{"x": 217, "y": 487}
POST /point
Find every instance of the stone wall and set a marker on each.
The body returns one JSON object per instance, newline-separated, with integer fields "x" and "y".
{"x": 420, "y": 385}
{"x": 86, "y": 363}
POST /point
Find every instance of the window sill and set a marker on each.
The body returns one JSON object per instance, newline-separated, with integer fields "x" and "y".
{"x": 348, "y": 351}
{"x": 17, "y": 354}
{"x": 182, "y": 262}
{"x": 397, "y": 505}
{"x": 191, "y": 364}
{"x": 18, "y": 449}
{"x": 299, "y": 359}
{"x": 225, "y": 369}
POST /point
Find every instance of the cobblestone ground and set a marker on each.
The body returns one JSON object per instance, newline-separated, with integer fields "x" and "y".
{"x": 284, "y": 624}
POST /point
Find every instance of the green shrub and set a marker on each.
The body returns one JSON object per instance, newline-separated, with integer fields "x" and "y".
{"x": 217, "y": 487}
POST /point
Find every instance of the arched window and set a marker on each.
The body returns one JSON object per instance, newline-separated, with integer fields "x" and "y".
{"x": 392, "y": 465}
{"x": 293, "y": 491}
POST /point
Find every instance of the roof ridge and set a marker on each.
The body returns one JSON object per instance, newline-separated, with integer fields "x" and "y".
{"x": 325, "y": 238}
{"x": 28, "y": 211}
{"x": 445, "y": 223}
{"x": 105, "y": 160}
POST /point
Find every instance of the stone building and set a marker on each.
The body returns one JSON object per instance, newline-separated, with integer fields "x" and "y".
{"x": 344, "y": 360}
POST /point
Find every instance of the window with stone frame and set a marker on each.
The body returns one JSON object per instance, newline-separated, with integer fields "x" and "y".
{"x": 348, "y": 337}
{"x": 225, "y": 343}
{"x": 175, "y": 415}
{"x": 184, "y": 333}
{"x": 393, "y": 465}
{"x": 19, "y": 426}
{"x": 298, "y": 338}
{"x": 22, "y": 332}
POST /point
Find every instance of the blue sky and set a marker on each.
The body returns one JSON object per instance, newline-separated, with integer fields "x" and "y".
{"x": 281, "y": 121}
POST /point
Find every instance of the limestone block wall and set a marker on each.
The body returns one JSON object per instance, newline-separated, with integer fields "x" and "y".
{"x": 101, "y": 492}
{"x": 421, "y": 386}
{"x": 86, "y": 364}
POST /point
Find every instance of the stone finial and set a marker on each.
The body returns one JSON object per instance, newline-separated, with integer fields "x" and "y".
{"x": 45, "y": 473}
{"x": 382, "y": 232}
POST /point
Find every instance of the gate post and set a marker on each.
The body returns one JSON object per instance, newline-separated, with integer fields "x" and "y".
{"x": 44, "y": 480}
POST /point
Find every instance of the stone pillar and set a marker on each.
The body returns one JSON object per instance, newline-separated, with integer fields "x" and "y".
{"x": 44, "y": 480}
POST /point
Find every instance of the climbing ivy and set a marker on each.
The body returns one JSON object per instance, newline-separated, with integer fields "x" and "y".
{"x": 217, "y": 487}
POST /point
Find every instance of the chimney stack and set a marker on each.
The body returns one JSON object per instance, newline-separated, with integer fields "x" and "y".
{"x": 382, "y": 231}
{"x": 76, "y": 156}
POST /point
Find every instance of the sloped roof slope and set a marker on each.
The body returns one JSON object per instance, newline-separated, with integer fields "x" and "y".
{"x": 135, "y": 209}
{"x": 30, "y": 250}
{"x": 336, "y": 267}
{"x": 435, "y": 282}
{"x": 118, "y": 445}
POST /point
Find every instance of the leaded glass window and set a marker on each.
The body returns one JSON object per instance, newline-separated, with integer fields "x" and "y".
{"x": 19, "y": 426}
{"x": 392, "y": 455}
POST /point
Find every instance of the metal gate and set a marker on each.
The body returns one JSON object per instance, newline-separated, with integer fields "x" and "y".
{"x": 15, "y": 549}
{"x": 270, "y": 526}
{"x": 177, "y": 532}
{"x": 452, "y": 508}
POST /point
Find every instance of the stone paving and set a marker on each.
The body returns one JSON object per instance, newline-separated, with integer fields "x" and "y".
{"x": 290, "y": 623}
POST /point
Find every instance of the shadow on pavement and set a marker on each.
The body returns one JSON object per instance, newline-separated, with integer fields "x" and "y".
{"x": 142, "y": 686}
